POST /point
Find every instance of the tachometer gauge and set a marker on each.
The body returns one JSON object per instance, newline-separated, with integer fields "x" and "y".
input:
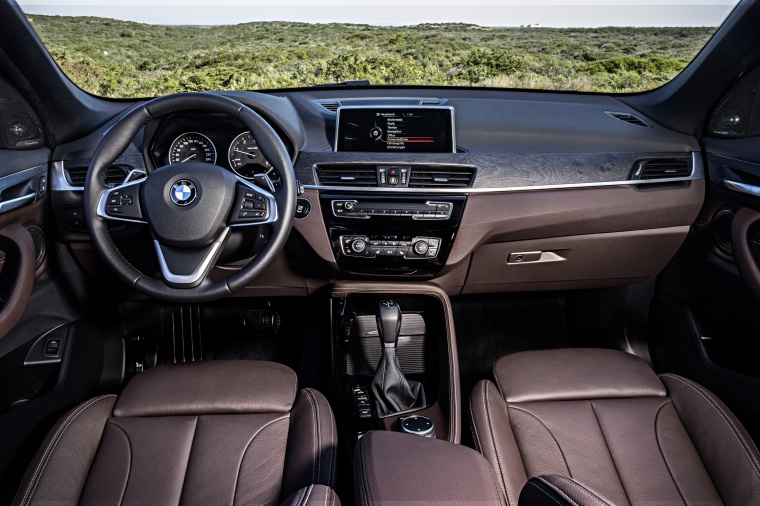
{"x": 192, "y": 146}
{"x": 246, "y": 159}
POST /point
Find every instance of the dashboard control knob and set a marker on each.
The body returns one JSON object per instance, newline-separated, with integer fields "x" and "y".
{"x": 359, "y": 246}
{"x": 420, "y": 247}
{"x": 349, "y": 206}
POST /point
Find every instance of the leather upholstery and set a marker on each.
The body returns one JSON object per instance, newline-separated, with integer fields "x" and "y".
{"x": 576, "y": 373}
{"x": 556, "y": 490}
{"x": 313, "y": 495}
{"x": 395, "y": 468}
{"x": 604, "y": 419}
{"x": 206, "y": 433}
{"x": 392, "y": 390}
{"x": 217, "y": 387}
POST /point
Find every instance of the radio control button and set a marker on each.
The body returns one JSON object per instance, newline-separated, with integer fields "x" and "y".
{"x": 349, "y": 206}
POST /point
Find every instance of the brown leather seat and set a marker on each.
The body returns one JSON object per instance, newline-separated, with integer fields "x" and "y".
{"x": 600, "y": 427}
{"x": 220, "y": 432}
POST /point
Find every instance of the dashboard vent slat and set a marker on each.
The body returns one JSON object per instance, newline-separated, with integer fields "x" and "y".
{"x": 334, "y": 175}
{"x": 629, "y": 118}
{"x": 77, "y": 175}
{"x": 662, "y": 168}
{"x": 330, "y": 105}
{"x": 444, "y": 177}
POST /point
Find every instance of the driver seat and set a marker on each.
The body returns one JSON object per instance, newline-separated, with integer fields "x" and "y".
{"x": 219, "y": 432}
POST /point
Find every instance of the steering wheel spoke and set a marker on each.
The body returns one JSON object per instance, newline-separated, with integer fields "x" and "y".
{"x": 187, "y": 268}
{"x": 252, "y": 205}
{"x": 122, "y": 203}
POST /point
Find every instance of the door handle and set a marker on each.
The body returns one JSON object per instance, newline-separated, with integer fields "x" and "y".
{"x": 11, "y": 204}
{"x": 742, "y": 187}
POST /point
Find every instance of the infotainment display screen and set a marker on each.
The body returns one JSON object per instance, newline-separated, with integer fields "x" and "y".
{"x": 424, "y": 129}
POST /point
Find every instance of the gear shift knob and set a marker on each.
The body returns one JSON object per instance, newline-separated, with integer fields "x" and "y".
{"x": 389, "y": 323}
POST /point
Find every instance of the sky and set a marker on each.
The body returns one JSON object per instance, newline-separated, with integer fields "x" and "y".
{"x": 549, "y": 13}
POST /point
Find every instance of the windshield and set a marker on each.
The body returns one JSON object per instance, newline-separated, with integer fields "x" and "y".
{"x": 149, "y": 50}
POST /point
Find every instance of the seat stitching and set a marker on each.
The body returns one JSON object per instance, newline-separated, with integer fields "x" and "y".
{"x": 547, "y": 430}
{"x": 250, "y": 441}
{"x": 318, "y": 440}
{"x": 129, "y": 469}
{"x": 314, "y": 435}
{"x": 489, "y": 423}
{"x": 333, "y": 446}
{"x": 558, "y": 490}
{"x": 37, "y": 476}
{"x": 659, "y": 447}
{"x": 609, "y": 452}
{"x": 365, "y": 476}
{"x": 737, "y": 435}
{"x": 190, "y": 454}
{"x": 583, "y": 490}
{"x": 474, "y": 428}
{"x": 297, "y": 500}
{"x": 545, "y": 493}
{"x": 308, "y": 495}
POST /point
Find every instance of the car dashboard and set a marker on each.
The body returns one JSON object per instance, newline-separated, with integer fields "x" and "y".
{"x": 533, "y": 192}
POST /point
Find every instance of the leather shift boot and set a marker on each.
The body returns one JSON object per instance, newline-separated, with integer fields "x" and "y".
{"x": 392, "y": 391}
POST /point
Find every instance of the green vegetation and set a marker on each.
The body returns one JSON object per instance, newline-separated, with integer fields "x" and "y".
{"x": 125, "y": 59}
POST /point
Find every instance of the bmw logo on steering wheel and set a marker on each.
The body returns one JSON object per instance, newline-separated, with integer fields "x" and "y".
{"x": 183, "y": 192}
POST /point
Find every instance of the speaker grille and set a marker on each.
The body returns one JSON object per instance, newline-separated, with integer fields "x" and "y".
{"x": 19, "y": 125}
{"x": 732, "y": 116}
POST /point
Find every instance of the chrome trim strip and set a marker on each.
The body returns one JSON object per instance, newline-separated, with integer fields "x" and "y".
{"x": 453, "y": 124}
{"x": 747, "y": 189}
{"x": 10, "y": 205}
{"x": 58, "y": 181}
{"x": 102, "y": 203}
{"x": 199, "y": 272}
{"x": 697, "y": 173}
{"x": 273, "y": 214}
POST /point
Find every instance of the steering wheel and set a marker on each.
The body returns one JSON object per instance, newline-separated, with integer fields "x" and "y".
{"x": 190, "y": 207}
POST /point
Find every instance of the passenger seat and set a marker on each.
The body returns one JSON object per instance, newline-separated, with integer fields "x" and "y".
{"x": 599, "y": 427}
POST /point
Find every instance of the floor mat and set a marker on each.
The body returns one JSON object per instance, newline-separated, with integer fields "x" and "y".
{"x": 490, "y": 327}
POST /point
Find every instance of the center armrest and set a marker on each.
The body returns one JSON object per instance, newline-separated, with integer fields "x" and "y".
{"x": 391, "y": 467}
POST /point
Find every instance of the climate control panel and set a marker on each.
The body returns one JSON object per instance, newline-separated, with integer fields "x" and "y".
{"x": 391, "y": 235}
{"x": 408, "y": 247}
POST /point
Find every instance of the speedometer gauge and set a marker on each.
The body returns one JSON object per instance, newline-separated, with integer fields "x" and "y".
{"x": 245, "y": 157}
{"x": 192, "y": 146}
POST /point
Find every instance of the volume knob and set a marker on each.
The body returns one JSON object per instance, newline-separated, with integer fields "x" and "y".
{"x": 349, "y": 206}
{"x": 420, "y": 247}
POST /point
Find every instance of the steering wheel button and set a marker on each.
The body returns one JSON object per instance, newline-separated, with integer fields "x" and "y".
{"x": 247, "y": 204}
{"x": 259, "y": 197}
{"x": 245, "y": 214}
{"x": 259, "y": 205}
{"x": 249, "y": 194}
{"x": 116, "y": 193}
{"x": 114, "y": 210}
{"x": 114, "y": 201}
{"x": 258, "y": 214}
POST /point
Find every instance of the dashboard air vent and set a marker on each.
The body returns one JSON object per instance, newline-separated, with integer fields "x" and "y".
{"x": 662, "y": 168}
{"x": 115, "y": 176}
{"x": 629, "y": 118}
{"x": 330, "y": 105}
{"x": 347, "y": 175}
{"x": 441, "y": 177}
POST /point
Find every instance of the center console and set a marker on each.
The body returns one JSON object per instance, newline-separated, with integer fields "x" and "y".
{"x": 394, "y": 359}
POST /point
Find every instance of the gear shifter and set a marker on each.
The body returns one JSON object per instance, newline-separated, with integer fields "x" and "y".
{"x": 392, "y": 391}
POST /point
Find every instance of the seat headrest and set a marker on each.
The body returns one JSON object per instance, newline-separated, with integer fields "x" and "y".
{"x": 575, "y": 374}
{"x": 205, "y": 388}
